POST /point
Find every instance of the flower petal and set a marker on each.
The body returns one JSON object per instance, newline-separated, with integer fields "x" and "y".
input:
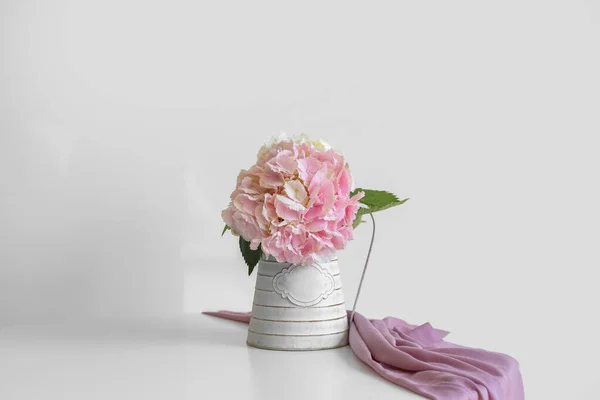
{"x": 288, "y": 209}
{"x": 296, "y": 191}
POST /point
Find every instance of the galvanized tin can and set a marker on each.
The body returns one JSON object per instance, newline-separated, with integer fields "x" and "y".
{"x": 298, "y": 307}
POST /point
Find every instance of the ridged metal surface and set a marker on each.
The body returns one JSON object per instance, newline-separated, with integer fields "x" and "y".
{"x": 298, "y": 307}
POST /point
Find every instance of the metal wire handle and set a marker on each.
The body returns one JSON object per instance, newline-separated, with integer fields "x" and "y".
{"x": 362, "y": 278}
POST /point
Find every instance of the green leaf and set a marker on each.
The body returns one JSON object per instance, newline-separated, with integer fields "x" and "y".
{"x": 358, "y": 220}
{"x": 375, "y": 200}
{"x": 251, "y": 257}
{"x": 225, "y": 229}
{"x": 378, "y": 200}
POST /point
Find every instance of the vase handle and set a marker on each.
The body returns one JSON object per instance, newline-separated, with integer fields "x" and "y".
{"x": 362, "y": 278}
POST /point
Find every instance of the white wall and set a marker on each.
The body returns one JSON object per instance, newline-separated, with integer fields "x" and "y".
{"x": 123, "y": 125}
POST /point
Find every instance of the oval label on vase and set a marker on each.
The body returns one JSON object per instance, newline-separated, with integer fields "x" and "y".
{"x": 304, "y": 285}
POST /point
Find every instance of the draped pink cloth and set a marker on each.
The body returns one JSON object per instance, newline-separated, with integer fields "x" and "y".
{"x": 418, "y": 359}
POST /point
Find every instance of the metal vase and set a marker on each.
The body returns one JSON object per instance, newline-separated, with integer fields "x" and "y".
{"x": 298, "y": 307}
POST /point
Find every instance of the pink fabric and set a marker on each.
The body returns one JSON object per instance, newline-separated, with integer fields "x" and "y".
{"x": 418, "y": 359}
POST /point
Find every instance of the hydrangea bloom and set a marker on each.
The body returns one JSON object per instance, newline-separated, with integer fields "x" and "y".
{"x": 295, "y": 202}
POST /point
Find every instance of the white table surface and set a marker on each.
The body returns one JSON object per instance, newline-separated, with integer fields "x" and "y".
{"x": 189, "y": 357}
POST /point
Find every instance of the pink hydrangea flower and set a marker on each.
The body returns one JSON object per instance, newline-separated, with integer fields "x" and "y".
{"x": 295, "y": 202}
